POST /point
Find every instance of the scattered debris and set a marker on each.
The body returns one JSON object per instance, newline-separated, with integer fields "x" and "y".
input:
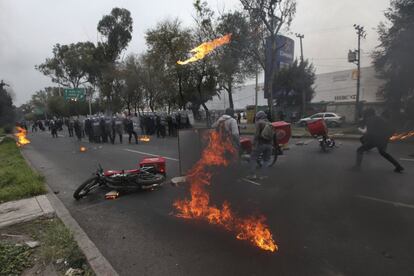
{"x": 300, "y": 143}
{"x": 176, "y": 181}
{"x": 59, "y": 261}
{"x": 112, "y": 195}
{"x": 32, "y": 244}
{"x": 74, "y": 272}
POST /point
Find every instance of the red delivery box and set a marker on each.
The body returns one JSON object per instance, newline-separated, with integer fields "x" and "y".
{"x": 283, "y": 132}
{"x": 318, "y": 128}
{"x": 246, "y": 144}
{"x": 157, "y": 162}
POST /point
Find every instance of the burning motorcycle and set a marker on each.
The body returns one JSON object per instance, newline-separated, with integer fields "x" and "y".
{"x": 283, "y": 133}
{"x": 319, "y": 130}
{"x": 150, "y": 174}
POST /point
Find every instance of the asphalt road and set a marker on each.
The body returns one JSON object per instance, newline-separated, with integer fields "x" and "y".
{"x": 325, "y": 218}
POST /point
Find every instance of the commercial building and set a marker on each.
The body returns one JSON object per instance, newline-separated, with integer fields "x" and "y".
{"x": 334, "y": 92}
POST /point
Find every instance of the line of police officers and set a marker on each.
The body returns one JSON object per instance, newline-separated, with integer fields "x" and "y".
{"x": 104, "y": 129}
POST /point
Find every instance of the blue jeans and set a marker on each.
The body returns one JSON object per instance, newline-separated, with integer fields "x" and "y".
{"x": 264, "y": 150}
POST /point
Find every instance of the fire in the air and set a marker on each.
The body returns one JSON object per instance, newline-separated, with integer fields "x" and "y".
{"x": 402, "y": 136}
{"x": 21, "y": 136}
{"x": 205, "y": 48}
{"x": 253, "y": 229}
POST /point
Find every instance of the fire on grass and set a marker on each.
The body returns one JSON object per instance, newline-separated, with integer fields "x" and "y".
{"x": 253, "y": 229}
{"x": 402, "y": 136}
{"x": 21, "y": 137}
{"x": 205, "y": 48}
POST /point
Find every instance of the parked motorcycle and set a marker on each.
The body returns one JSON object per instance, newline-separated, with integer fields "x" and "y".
{"x": 148, "y": 176}
{"x": 319, "y": 130}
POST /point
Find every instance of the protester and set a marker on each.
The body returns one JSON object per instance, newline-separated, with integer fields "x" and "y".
{"x": 264, "y": 139}
{"x": 229, "y": 125}
{"x": 377, "y": 135}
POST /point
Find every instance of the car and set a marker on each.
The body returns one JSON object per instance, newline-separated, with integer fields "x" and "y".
{"x": 331, "y": 119}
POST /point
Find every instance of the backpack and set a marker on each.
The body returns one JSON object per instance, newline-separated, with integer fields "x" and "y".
{"x": 267, "y": 132}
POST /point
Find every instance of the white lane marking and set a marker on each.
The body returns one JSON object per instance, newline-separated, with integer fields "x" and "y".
{"x": 396, "y": 204}
{"x": 252, "y": 182}
{"x": 150, "y": 154}
{"x": 407, "y": 159}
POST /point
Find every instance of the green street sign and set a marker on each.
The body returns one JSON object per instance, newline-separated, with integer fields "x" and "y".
{"x": 74, "y": 94}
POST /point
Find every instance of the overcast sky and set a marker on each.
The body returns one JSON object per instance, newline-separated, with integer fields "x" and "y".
{"x": 30, "y": 28}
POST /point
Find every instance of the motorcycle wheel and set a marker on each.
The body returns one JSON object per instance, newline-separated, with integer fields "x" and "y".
{"x": 85, "y": 187}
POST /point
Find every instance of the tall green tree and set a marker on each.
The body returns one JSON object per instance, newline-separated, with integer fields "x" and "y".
{"x": 7, "y": 110}
{"x": 167, "y": 43}
{"x": 394, "y": 59}
{"x": 234, "y": 63}
{"x": 291, "y": 82}
{"x": 71, "y": 65}
{"x": 116, "y": 31}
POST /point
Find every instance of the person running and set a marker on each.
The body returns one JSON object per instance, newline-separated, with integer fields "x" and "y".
{"x": 377, "y": 135}
{"x": 263, "y": 142}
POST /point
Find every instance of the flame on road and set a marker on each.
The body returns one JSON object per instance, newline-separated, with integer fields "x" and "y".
{"x": 205, "y": 48}
{"x": 253, "y": 229}
{"x": 402, "y": 136}
{"x": 144, "y": 138}
{"x": 21, "y": 137}
{"x": 82, "y": 149}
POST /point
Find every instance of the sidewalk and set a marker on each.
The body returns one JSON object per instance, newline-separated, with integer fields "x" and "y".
{"x": 23, "y": 210}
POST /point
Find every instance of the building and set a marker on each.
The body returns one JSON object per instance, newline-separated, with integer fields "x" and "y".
{"x": 334, "y": 92}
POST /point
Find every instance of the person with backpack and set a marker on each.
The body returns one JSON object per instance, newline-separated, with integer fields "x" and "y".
{"x": 228, "y": 125}
{"x": 263, "y": 142}
{"x": 377, "y": 135}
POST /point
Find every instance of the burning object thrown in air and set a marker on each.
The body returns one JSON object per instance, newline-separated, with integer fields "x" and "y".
{"x": 402, "y": 136}
{"x": 205, "y": 48}
{"x": 253, "y": 229}
{"x": 21, "y": 137}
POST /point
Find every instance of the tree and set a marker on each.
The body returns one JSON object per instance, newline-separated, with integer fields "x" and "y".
{"x": 7, "y": 110}
{"x": 393, "y": 58}
{"x": 116, "y": 29}
{"x": 291, "y": 82}
{"x": 167, "y": 43}
{"x": 267, "y": 17}
{"x": 71, "y": 65}
{"x": 233, "y": 61}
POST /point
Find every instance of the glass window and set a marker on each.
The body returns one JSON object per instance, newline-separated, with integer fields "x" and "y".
{"x": 319, "y": 115}
{"x": 329, "y": 116}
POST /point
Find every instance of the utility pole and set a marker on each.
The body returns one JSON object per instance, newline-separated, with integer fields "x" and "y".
{"x": 256, "y": 89}
{"x": 355, "y": 57}
{"x": 301, "y": 36}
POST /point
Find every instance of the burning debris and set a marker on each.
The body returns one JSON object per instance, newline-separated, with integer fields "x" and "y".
{"x": 253, "y": 229}
{"x": 144, "y": 138}
{"x": 205, "y": 48}
{"x": 21, "y": 137}
{"x": 402, "y": 136}
{"x": 82, "y": 149}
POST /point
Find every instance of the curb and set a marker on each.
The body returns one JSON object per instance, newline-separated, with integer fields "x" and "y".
{"x": 99, "y": 264}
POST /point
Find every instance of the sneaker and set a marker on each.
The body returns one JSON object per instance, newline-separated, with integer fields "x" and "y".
{"x": 399, "y": 169}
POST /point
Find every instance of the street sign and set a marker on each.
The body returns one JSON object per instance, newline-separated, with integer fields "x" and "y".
{"x": 284, "y": 56}
{"x": 74, "y": 94}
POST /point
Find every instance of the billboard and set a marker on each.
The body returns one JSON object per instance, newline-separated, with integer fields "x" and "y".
{"x": 285, "y": 53}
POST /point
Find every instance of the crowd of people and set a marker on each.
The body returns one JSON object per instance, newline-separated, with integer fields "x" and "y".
{"x": 101, "y": 128}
